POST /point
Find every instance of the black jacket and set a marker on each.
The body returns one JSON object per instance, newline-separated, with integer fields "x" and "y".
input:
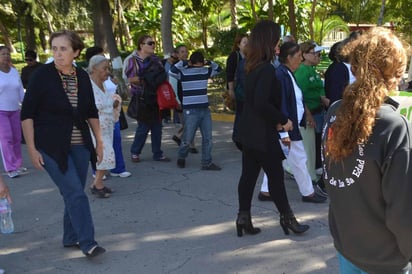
{"x": 261, "y": 113}
{"x": 53, "y": 116}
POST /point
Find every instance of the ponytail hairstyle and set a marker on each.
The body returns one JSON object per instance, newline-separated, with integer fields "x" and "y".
{"x": 378, "y": 61}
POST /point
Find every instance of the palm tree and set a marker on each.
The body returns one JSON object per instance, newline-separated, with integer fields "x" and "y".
{"x": 322, "y": 28}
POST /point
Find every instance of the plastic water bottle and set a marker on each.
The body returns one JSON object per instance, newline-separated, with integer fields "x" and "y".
{"x": 6, "y": 222}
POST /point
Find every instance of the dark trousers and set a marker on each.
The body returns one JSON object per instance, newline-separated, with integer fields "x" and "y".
{"x": 238, "y": 114}
{"x": 252, "y": 162}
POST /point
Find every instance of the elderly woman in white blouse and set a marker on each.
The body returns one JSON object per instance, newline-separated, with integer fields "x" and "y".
{"x": 109, "y": 110}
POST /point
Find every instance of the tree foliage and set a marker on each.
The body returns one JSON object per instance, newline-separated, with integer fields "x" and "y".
{"x": 196, "y": 23}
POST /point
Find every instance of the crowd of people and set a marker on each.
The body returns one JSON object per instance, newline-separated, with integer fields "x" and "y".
{"x": 340, "y": 137}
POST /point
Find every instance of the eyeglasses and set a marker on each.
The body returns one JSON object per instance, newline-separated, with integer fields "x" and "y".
{"x": 29, "y": 60}
{"x": 150, "y": 43}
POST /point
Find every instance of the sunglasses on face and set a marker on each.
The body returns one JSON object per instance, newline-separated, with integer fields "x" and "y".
{"x": 150, "y": 43}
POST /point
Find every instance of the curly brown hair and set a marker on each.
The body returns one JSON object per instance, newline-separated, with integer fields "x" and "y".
{"x": 378, "y": 60}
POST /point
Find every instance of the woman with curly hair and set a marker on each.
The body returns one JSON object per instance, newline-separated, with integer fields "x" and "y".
{"x": 366, "y": 151}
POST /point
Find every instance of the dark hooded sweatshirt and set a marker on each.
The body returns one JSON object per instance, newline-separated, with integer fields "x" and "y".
{"x": 370, "y": 191}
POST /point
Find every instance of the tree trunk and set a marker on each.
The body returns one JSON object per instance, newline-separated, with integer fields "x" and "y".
{"x": 117, "y": 65}
{"x": 204, "y": 31}
{"x": 124, "y": 25}
{"x": 270, "y": 10}
{"x": 118, "y": 23}
{"x": 30, "y": 34}
{"x": 382, "y": 13}
{"x": 292, "y": 18}
{"x": 48, "y": 19}
{"x": 233, "y": 15}
{"x": 98, "y": 26}
{"x": 107, "y": 22}
{"x": 311, "y": 19}
{"x": 252, "y": 5}
{"x": 42, "y": 37}
{"x": 6, "y": 37}
{"x": 166, "y": 26}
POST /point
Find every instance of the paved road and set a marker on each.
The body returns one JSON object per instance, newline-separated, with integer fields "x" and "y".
{"x": 166, "y": 220}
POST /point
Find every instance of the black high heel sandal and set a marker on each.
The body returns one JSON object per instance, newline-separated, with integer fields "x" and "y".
{"x": 288, "y": 221}
{"x": 244, "y": 223}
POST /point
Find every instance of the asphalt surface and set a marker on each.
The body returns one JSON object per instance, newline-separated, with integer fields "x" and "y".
{"x": 164, "y": 219}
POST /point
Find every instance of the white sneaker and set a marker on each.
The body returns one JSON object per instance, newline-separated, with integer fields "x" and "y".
{"x": 13, "y": 174}
{"x": 123, "y": 174}
{"x": 104, "y": 177}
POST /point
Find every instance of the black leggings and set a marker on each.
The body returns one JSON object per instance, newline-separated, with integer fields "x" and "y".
{"x": 252, "y": 162}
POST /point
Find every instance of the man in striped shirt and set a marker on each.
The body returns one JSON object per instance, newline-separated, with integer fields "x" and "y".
{"x": 194, "y": 77}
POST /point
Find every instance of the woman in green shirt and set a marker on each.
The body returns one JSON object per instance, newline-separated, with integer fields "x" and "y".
{"x": 315, "y": 100}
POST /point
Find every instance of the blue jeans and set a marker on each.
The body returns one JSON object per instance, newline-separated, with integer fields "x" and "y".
{"x": 140, "y": 138}
{"x": 197, "y": 118}
{"x": 77, "y": 221}
{"x": 346, "y": 267}
{"x": 117, "y": 146}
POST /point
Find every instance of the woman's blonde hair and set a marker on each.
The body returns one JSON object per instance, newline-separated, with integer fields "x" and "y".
{"x": 378, "y": 61}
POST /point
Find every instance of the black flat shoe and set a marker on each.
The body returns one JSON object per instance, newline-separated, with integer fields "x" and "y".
{"x": 181, "y": 163}
{"x": 193, "y": 150}
{"x": 163, "y": 159}
{"x": 95, "y": 251}
{"x": 315, "y": 198}
{"x": 264, "y": 198}
{"x": 108, "y": 190}
{"x": 100, "y": 193}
